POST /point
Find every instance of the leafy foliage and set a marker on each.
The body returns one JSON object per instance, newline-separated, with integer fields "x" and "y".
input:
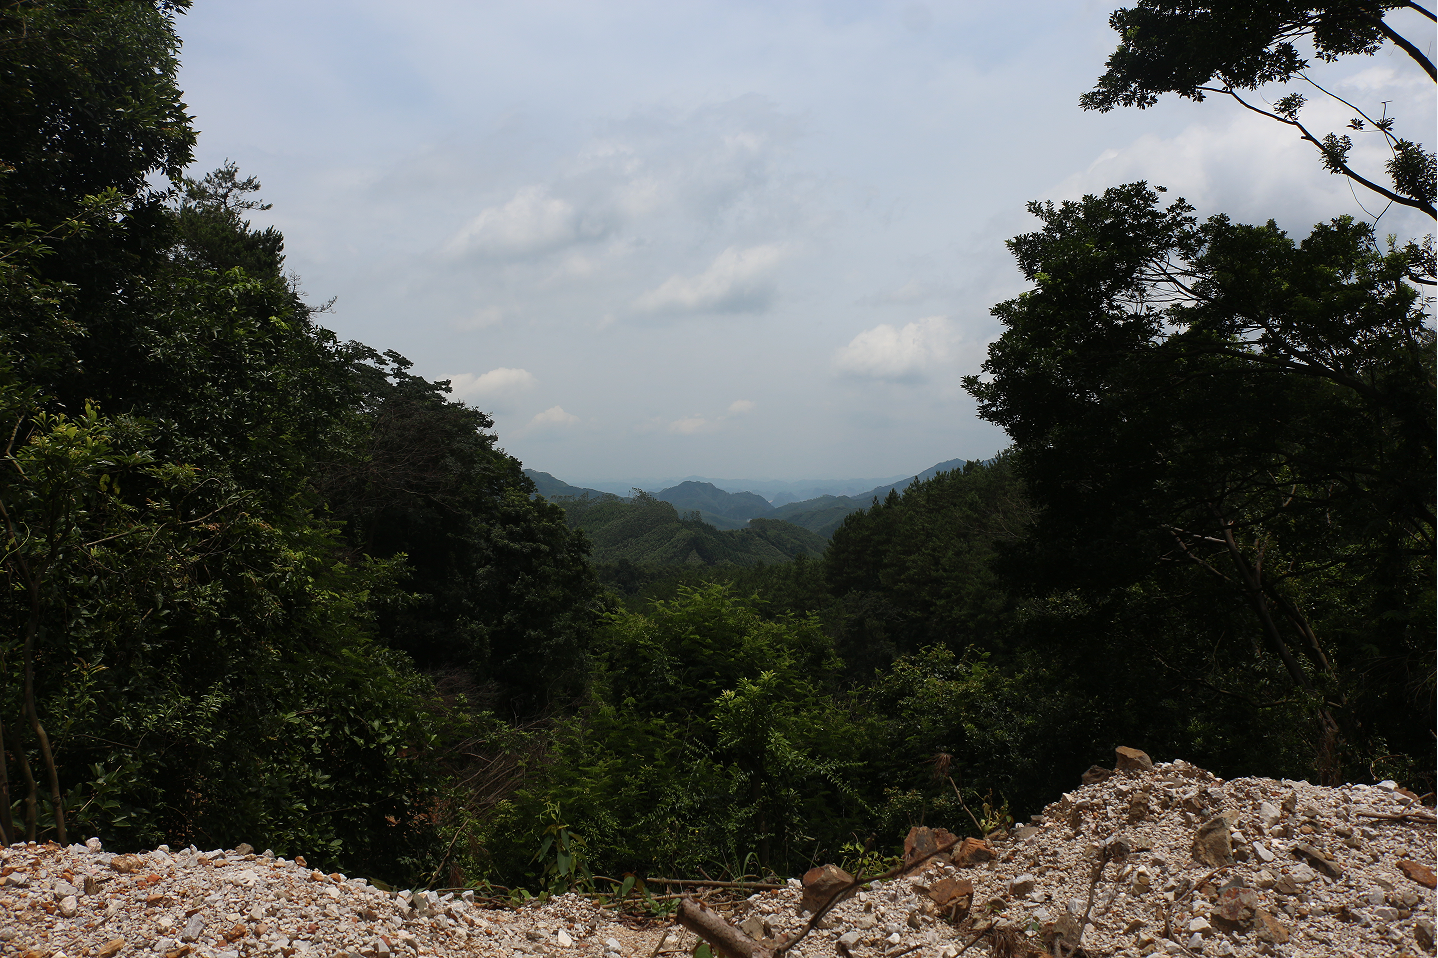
{"x": 1216, "y": 402}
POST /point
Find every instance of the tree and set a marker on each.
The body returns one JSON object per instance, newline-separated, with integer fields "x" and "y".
{"x": 1193, "y": 48}
{"x": 1218, "y": 399}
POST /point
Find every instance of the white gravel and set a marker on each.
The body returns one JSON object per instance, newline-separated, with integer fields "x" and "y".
{"x": 82, "y": 901}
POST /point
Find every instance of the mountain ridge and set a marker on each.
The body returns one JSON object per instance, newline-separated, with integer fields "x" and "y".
{"x": 728, "y": 510}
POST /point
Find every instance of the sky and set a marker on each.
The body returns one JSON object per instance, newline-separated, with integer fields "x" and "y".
{"x": 659, "y": 239}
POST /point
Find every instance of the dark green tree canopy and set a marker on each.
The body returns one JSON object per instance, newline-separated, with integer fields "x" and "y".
{"x": 1217, "y": 397}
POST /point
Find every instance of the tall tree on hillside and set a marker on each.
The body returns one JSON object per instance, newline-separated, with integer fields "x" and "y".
{"x": 1216, "y": 398}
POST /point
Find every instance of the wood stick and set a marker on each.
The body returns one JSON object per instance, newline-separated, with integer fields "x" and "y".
{"x": 728, "y": 940}
{"x": 695, "y": 883}
{"x": 1400, "y": 817}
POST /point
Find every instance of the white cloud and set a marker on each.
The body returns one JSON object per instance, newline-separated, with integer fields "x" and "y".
{"x": 740, "y": 406}
{"x": 690, "y": 425}
{"x": 736, "y": 282}
{"x": 501, "y": 383}
{"x": 480, "y": 319}
{"x": 554, "y": 416}
{"x": 899, "y": 355}
{"x": 532, "y": 221}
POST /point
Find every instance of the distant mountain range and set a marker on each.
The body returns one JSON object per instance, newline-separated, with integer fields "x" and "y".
{"x": 821, "y": 514}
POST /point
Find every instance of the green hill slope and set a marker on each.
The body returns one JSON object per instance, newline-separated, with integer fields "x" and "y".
{"x": 708, "y": 499}
{"x": 646, "y": 530}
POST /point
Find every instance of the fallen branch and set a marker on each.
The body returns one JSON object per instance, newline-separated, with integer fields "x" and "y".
{"x": 733, "y": 943}
{"x": 690, "y": 882}
{"x": 722, "y": 936}
{"x": 1401, "y": 817}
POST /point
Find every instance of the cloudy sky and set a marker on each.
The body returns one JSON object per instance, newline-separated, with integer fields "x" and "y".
{"x": 656, "y": 239}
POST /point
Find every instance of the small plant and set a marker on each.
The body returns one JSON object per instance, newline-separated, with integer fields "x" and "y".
{"x": 562, "y": 855}
{"x": 996, "y": 818}
{"x": 859, "y": 860}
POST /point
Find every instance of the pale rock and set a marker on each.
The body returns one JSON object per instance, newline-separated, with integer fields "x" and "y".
{"x": 1022, "y": 885}
{"x": 69, "y": 906}
{"x": 193, "y": 927}
{"x": 562, "y": 938}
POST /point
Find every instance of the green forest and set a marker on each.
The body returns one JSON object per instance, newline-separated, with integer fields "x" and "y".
{"x": 268, "y": 586}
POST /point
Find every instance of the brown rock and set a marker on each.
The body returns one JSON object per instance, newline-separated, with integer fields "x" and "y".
{"x": 1270, "y": 929}
{"x": 1132, "y": 760}
{"x": 1211, "y": 843}
{"x": 1096, "y": 774}
{"x": 821, "y": 883}
{"x": 923, "y": 842}
{"x": 1236, "y": 909}
{"x": 973, "y": 851}
{"x": 1318, "y": 860}
{"x": 126, "y": 864}
{"x": 109, "y": 948}
{"x": 1422, "y": 874}
{"x": 946, "y": 891}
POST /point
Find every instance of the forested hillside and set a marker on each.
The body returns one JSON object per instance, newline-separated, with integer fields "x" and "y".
{"x": 267, "y": 586}
{"x": 646, "y": 530}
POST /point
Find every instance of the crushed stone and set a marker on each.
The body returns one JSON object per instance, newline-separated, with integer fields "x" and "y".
{"x": 1191, "y": 865}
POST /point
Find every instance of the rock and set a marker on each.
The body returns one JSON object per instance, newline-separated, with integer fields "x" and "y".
{"x": 110, "y": 948}
{"x": 612, "y": 944}
{"x": 1423, "y": 933}
{"x": 848, "y": 941}
{"x": 1261, "y": 850}
{"x": 1422, "y": 874}
{"x": 1236, "y": 909}
{"x": 1303, "y": 874}
{"x": 244, "y": 848}
{"x": 955, "y": 896}
{"x": 1212, "y": 843}
{"x": 924, "y": 842}
{"x": 562, "y": 939}
{"x": 1026, "y": 831}
{"x": 1096, "y": 774}
{"x": 756, "y": 927}
{"x": 1269, "y": 814}
{"x": 1319, "y": 860}
{"x": 973, "y": 851}
{"x": 821, "y": 883}
{"x": 193, "y": 927}
{"x": 69, "y": 906}
{"x": 1270, "y": 929}
{"x": 126, "y": 864}
{"x": 1022, "y": 885}
{"x": 93, "y": 846}
{"x": 63, "y": 889}
{"x": 1132, "y": 760}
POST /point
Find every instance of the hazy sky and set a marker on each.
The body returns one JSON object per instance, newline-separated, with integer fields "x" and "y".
{"x": 728, "y": 239}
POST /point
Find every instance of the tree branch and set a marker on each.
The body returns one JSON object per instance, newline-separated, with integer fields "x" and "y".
{"x": 1343, "y": 167}
{"x": 1404, "y": 44}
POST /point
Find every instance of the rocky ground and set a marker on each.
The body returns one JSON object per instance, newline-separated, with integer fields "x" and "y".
{"x": 1161, "y": 859}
